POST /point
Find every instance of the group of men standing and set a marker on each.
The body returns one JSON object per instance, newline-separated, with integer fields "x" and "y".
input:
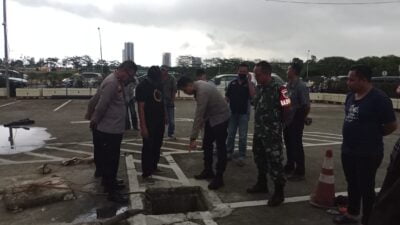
{"x": 222, "y": 118}
{"x": 112, "y": 111}
{"x": 280, "y": 113}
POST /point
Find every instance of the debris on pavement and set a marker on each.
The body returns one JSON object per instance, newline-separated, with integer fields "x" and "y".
{"x": 36, "y": 193}
{"x": 76, "y": 161}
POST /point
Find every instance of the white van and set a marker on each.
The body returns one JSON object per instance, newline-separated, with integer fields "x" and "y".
{"x": 222, "y": 81}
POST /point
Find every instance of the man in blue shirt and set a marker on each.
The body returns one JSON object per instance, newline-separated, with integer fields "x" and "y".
{"x": 369, "y": 116}
{"x": 294, "y": 124}
{"x": 239, "y": 94}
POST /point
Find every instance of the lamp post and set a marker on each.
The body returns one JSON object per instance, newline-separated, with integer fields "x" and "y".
{"x": 6, "y": 48}
{"x": 308, "y": 54}
{"x": 101, "y": 50}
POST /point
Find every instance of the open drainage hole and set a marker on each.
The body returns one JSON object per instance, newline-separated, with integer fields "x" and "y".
{"x": 175, "y": 200}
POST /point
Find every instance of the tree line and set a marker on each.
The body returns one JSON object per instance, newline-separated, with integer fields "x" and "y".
{"x": 313, "y": 68}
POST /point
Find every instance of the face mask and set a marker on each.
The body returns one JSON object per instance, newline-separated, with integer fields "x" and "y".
{"x": 243, "y": 76}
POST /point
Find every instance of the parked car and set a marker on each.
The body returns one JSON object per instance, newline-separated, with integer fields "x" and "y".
{"x": 91, "y": 79}
{"x": 83, "y": 80}
{"x": 14, "y": 83}
{"x": 222, "y": 81}
{"x": 14, "y": 73}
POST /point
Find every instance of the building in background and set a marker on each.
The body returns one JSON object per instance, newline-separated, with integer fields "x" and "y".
{"x": 128, "y": 52}
{"x": 189, "y": 61}
{"x": 166, "y": 59}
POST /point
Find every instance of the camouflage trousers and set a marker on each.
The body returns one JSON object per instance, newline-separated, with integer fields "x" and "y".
{"x": 268, "y": 156}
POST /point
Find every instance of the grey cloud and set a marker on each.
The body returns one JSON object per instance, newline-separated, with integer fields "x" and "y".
{"x": 351, "y": 31}
{"x": 185, "y": 45}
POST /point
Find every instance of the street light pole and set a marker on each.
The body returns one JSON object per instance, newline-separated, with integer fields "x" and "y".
{"x": 101, "y": 50}
{"x": 6, "y": 48}
{"x": 308, "y": 54}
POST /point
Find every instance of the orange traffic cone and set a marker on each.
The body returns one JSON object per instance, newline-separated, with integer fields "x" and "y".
{"x": 324, "y": 194}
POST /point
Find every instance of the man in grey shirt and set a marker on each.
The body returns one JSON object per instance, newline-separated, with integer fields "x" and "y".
{"x": 212, "y": 112}
{"x": 169, "y": 89}
{"x": 294, "y": 124}
{"x": 108, "y": 123}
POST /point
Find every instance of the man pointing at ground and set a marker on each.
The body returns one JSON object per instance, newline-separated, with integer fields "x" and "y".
{"x": 212, "y": 112}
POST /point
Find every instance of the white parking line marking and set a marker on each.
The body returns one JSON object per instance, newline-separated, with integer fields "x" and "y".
{"x": 322, "y": 144}
{"x": 162, "y": 178}
{"x": 64, "y": 104}
{"x": 7, "y": 104}
{"x": 314, "y": 139}
{"x": 235, "y": 205}
{"x": 122, "y": 149}
{"x": 183, "y": 120}
{"x": 178, "y": 172}
{"x": 69, "y": 150}
{"x": 159, "y": 164}
{"x": 323, "y": 133}
{"x": 6, "y": 161}
{"x": 43, "y": 156}
{"x": 30, "y": 162}
{"x": 325, "y": 137}
{"x": 162, "y": 148}
{"x": 80, "y": 122}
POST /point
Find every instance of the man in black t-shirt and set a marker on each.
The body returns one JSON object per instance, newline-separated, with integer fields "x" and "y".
{"x": 152, "y": 120}
{"x": 238, "y": 95}
{"x": 369, "y": 116}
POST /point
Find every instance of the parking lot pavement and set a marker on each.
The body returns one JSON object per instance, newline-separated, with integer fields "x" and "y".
{"x": 72, "y": 138}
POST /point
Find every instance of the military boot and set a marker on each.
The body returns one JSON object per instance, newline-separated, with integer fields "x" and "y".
{"x": 260, "y": 187}
{"x": 278, "y": 197}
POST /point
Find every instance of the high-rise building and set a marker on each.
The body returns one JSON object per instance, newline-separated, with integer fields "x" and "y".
{"x": 166, "y": 59}
{"x": 128, "y": 52}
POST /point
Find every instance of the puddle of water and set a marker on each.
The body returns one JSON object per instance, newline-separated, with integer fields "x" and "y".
{"x": 24, "y": 140}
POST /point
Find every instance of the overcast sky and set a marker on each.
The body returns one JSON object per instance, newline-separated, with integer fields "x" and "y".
{"x": 248, "y": 29}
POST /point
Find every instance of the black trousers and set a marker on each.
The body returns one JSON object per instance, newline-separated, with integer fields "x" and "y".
{"x": 360, "y": 172}
{"x": 95, "y": 136}
{"x": 108, "y": 153}
{"x": 293, "y": 137}
{"x": 151, "y": 149}
{"x": 217, "y": 133}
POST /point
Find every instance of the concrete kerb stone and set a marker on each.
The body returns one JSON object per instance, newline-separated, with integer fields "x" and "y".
{"x": 136, "y": 200}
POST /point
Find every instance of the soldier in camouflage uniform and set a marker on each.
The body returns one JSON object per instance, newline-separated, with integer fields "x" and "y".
{"x": 267, "y": 142}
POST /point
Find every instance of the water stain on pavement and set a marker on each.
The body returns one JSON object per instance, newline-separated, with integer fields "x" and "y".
{"x": 25, "y": 140}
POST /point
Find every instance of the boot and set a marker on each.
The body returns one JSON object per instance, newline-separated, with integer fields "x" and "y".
{"x": 278, "y": 197}
{"x": 216, "y": 183}
{"x": 117, "y": 198}
{"x": 260, "y": 187}
{"x": 204, "y": 175}
{"x": 289, "y": 168}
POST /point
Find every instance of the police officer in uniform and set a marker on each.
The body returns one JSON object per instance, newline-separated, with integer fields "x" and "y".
{"x": 267, "y": 140}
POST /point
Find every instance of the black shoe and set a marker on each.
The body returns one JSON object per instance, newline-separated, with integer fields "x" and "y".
{"x": 117, "y": 181}
{"x": 296, "y": 177}
{"x": 216, "y": 183}
{"x": 116, "y": 187}
{"x": 344, "y": 219}
{"x": 204, "y": 175}
{"x": 289, "y": 169}
{"x": 258, "y": 188}
{"x": 158, "y": 171}
{"x": 278, "y": 196}
{"x": 118, "y": 198}
{"x": 97, "y": 174}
